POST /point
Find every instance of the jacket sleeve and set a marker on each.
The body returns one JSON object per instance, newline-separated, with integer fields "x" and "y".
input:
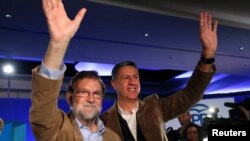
{"x": 181, "y": 101}
{"x": 45, "y": 116}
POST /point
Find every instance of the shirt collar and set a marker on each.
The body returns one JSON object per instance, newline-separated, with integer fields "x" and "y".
{"x": 100, "y": 125}
{"x": 134, "y": 109}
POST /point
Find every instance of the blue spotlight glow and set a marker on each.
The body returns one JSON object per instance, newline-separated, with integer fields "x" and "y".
{"x": 184, "y": 75}
{"x": 219, "y": 77}
{"x": 239, "y": 87}
{"x": 102, "y": 69}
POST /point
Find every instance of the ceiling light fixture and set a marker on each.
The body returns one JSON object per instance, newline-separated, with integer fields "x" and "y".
{"x": 242, "y": 48}
{"x": 8, "y": 16}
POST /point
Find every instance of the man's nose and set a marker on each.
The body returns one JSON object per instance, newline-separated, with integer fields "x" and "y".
{"x": 132, "y": 80}
{"x": 90, "y": 97}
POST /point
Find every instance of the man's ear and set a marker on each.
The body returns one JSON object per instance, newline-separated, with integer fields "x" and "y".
{"x": 69, "y": 99}
{"x": 113, "y": 84}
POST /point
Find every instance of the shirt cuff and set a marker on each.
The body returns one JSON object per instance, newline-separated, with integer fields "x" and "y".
{"x": 52, "y": 74}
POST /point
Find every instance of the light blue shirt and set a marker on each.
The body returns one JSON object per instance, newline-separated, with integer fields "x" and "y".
{"x": 86, "y": 133}
{"x": 52, "y": 74}
{"x": 92, "y": 136}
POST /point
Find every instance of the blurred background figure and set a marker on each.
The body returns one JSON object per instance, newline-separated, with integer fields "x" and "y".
{"x": 240, "y": 111}
{"x": 246, "y": 112}
{"x": 1, "y": 125}
{"x": 192, "y": 132}
{"x": 184, "y": 119}
{"x": 176, "y": 135}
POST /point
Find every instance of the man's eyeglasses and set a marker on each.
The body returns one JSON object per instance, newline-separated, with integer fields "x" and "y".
{"x": 85, "y": 94}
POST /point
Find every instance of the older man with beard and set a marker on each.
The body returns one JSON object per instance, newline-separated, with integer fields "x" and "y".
{"x": 84, "y": 94}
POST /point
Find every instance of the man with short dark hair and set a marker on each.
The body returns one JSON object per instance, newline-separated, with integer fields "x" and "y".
{"x": 143, "y": 120}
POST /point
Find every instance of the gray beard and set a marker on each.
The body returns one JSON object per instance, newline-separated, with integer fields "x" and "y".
{"x": 85, "y": 116}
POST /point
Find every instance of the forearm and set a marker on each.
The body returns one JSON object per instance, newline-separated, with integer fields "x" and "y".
{"x": 196, "y": 86}
{"x": 189, "y": 96}
{"x": 207, "y": 68}
{"x": 199, "y": 80}
{"x": 55, "y": 54}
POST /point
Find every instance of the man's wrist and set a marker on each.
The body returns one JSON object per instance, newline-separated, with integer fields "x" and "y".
{"x": 207, "y": 60}
{"x": 52, "y": 74}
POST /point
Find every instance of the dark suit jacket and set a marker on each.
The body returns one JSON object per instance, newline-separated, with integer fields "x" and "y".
{"x": 48, "y": 122}
{"x": 154, "y": 111}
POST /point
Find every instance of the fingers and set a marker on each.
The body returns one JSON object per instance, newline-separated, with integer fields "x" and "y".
{"x": 80, "y": 15}
{"x": 215, "y": 25}
{"x": 46, "y": 5}
{"x": 209, "y": 21}
{"x": 201, "y": 20}
{"x": 50, "y": 4}
{"x": 206, "y": 22}
{"x": 54, "y": 3}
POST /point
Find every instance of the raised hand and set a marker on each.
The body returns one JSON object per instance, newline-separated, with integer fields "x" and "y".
{"x": 61, "y": 30}
{"x": 208, "y": 35}
{"x": 59, "y": 24}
